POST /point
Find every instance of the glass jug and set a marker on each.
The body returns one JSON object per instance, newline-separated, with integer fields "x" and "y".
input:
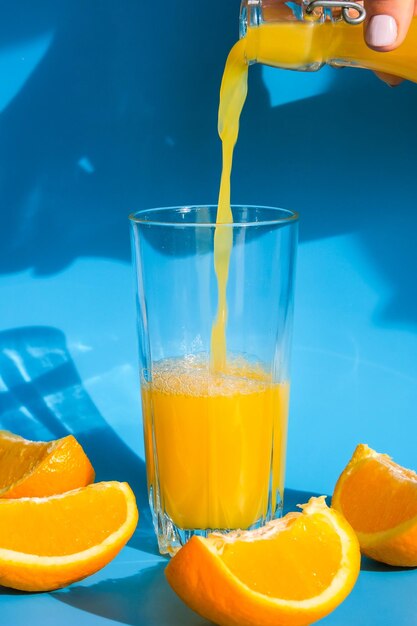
{"x": 306, "y": 34}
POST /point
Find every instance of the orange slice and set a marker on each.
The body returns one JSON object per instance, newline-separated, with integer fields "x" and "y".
{"x": 47, "y": 543}
{"x": 41, "y": 468}
{"x": 379, "y": 499}
{"x": 291, "y": 572}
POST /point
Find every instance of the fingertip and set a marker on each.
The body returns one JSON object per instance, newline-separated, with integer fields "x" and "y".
{"x": 381, "y": 32}
{"x": 387, "y": 23}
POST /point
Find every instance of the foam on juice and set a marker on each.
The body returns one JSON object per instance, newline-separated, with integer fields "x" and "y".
{"x": 191, "y": 375}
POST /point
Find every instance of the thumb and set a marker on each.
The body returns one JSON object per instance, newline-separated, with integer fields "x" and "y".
{"x": 387, "y": 23}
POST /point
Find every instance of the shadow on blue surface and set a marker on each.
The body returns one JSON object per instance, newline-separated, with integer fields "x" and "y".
{"x": 144, "y": 599}
{"x": 369, "y": 565}
{"x": 294, "y": 497}
{"x": 6, "y": 591}
{"x": 42, "y": 397}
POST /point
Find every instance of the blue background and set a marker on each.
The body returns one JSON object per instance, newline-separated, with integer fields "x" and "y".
{"x": 110, "y": 107}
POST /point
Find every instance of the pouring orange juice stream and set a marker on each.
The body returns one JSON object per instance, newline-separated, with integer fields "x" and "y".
{"x": 217, "y": 420}
{"x": 291, "y": 45}
{"x": 220, "y": 423}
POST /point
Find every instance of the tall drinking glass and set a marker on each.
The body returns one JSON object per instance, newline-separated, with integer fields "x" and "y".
{"x": 215, "y": 441}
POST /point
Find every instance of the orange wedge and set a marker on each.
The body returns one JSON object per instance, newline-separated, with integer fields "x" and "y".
{"x": 291, "y": 572}
{"x": 47, "y": 543}
{"x": 379, "y": 499}
{"x": 41, "y": 468}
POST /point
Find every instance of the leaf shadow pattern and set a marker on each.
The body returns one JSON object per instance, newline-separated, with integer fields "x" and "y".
{"x": 42, "y": 397}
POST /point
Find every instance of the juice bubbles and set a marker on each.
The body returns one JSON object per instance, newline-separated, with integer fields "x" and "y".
{"x": 218, "y": 441}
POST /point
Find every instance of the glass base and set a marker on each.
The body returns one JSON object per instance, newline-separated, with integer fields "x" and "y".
{"x": 171, "y": 538}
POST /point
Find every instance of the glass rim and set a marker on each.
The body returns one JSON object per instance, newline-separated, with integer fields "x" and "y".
{"x": 290, "y": 217}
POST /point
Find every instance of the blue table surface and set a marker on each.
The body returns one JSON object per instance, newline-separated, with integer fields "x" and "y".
{"x": 110, "y": 107}
{"x": 79, "y": 374}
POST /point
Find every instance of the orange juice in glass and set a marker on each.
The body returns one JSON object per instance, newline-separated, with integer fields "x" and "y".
{"x": 215, "y": 435}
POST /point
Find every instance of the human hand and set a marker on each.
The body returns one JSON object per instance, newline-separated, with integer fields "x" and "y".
{"x": 386, "y": 26}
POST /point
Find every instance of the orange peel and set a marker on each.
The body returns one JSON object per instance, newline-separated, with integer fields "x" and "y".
{"x": 291, "y": 572}
{"x": 379, "y": 499}
{"x": 48, "y": 543}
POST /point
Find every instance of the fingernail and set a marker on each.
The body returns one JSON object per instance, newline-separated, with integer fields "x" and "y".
{"x": 382, "y": 31}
